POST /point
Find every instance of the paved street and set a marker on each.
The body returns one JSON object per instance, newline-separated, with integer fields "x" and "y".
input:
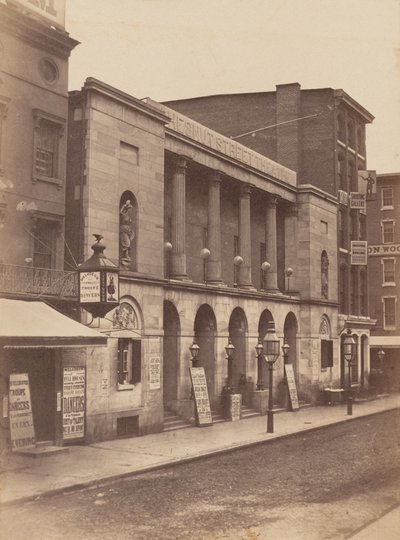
{"x": 318, "y": 485}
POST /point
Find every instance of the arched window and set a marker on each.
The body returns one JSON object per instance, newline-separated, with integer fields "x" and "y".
{"x": 127, "y": 230}
{"x": 324, "y": 275}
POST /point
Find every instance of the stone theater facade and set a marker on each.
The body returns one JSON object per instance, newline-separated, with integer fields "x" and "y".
{"x": 191, "y": 216}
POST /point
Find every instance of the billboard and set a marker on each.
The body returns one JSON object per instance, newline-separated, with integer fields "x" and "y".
{"x": 52, "y": 10}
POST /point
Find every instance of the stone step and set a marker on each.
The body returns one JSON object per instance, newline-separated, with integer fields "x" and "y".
{"x": 173, "y": 422}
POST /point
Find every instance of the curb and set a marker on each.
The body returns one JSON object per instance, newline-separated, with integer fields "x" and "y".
{"x": 168, "y": 464}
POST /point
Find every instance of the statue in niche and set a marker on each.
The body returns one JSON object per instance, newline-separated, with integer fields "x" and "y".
{"x": 126, "y": 232}
{"x": 324, "y": 275}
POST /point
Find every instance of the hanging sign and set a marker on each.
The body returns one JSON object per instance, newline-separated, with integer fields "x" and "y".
{"x": 89, "y": 287}
{"x": 22, "y": 430}
{"x": 359, "y": 252}
{"x": 291, "y": 382}
{"x": 73, "y": 402}
{"x": 358, "y": 201}
{"x": 200, "y": 393}
{"x": 367, "y": 184}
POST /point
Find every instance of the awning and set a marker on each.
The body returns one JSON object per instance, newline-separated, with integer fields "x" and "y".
{"x": 384, "y": 341}
{"x": 36, "y": 325}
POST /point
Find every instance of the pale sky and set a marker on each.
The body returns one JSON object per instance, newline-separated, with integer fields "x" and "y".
{"x": 171, "y": 49}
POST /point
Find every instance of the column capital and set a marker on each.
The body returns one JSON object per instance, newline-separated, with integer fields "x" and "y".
{"x": 272, "y": 200}
{"x": 245, "y": 190}
{"x": 180, "y": 163}
{"x": 292, "y": 210}
{"x": 215, "y": 176}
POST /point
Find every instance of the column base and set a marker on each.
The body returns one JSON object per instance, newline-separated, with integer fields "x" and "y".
{"x": 181, "y": 278}
{"x": 217, "y": 283}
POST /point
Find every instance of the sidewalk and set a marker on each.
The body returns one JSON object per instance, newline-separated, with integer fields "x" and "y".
{"x": 26, "y": 477}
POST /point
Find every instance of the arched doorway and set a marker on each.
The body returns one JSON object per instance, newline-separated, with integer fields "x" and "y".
{"x": 290, "y": 333}
{"x": 238, "y": 333}
{"x": 205, "y": 328}
{"x": 171, "y": 353}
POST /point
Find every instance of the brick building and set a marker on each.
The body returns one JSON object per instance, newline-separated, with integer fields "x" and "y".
{"x": 320, "y": 134}
{"x": 37, "y": 342}
{"x": 384, "y": 266}
{"x": 191, "y": 216}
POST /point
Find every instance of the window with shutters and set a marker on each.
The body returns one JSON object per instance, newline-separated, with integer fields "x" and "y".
{"x": 48, "y": 130}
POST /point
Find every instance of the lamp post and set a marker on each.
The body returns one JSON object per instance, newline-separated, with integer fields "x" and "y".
{"x": 271, "y": 352}
{"x": 229, "y": 349}
{"x": 381, "y": 356}
{"x": 285, "y": 351}
{"x": 259, "y": 353}
{"x": 349, "y": 349}
{"x": 194, "y": 351}
{"x": 289, "y": 273}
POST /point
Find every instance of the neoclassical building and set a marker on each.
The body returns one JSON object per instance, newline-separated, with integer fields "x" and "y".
{"x": 214, "y": 240}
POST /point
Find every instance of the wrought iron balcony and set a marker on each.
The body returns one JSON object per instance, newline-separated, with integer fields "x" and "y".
{"x": 38, "y": 281}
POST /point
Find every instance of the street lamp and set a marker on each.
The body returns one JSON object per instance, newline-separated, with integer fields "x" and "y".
{"x": 285, "y": 351}
{"x": 194, "y": 351}
{"x": 381, "y": 356}
{"x": 349, "y": 350}
{"x": 229, "y": 349}
{"x": 259, "y": 353}
{"x": 271, "y": 352}
{"x": 288, "y": 273}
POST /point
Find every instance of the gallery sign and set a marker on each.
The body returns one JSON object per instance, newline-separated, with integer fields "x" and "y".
{"x": 22, "y": 430}
{"x": 359, "y": 251}
{"x": 52, "y": 10}
{"x": 73, "y": 402}
{"x": 367, "y": 183}
{"x": 358, "y": 201}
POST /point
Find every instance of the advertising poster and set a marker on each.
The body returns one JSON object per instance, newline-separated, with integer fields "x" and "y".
{"x": 155, "y": 373}
{"x": 89, "y": 287}
{"x": 73, "y": 402}
{"x": 359, "y": 252}
{"x": 200, "y": 392}
{"x": 22, "y": 430}
{"x": 291, "y": 381}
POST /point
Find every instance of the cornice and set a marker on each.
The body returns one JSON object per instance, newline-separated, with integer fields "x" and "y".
{"x": 36, "y": 33}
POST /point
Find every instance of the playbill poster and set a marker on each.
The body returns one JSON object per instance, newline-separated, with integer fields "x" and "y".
{"x": 73, "y": 409}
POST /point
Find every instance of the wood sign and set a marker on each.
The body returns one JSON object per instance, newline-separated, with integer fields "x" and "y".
{"x": 291, "y": 382}
{"x": 20, "y": 411}
{"x": 200, "y": 393}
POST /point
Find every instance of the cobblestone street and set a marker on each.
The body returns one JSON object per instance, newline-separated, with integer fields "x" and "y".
{"x": 319, "y": 485}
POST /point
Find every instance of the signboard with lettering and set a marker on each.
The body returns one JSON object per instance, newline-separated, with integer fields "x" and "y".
{"x": 358, "y": 201}
{"x": 200, "y": 393}
{"x": 154, "y": 373}
{"x": 235, "y": 406}
{"x": 359, "y": 251}
{"x": 53, "y": 10}
{"x": 89, "y": 287}
{"x": 291, "y": 382}
{"x": 22, "y": 430}
{"x": 73, "y": 402}
{"x": 343, "y": 197}
{"x": 383, "y": 249}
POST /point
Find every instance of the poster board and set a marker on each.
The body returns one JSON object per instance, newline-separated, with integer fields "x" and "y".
{"x": 235, "y": 406}
{"x": 155, "y": 373}
{"x": 291, "y": 382}
{"x": 200, "y": 393}
{"x": 22, "y": 430}
{"x": 73, "y": 402}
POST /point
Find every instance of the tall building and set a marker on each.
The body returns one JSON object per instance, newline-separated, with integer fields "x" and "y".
{"x": 384, "y": 266}
{"x": 214, "y": 241}
{"x": 35, "y": 338}
{"x": 320, "y": 134}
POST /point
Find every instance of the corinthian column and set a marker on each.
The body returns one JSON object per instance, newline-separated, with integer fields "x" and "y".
{"x": 214, "y": 228}
{"x": 244, "y": 270}
{"x": 271, "y": 244}
{"x": 178, "y": 225}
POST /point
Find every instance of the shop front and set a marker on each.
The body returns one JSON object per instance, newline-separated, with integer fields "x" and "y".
{"x": 42, "y": 375}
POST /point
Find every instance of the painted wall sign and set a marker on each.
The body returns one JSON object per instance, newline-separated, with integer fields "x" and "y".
{"x": 53, "y": 10}
{"x": 200, "y": 393}
{"x": 359, "y": 251}
{"x": 155, "y": 373}
{"x": 291, "y": 382}
{"x": 22, "y": 430}
{"x": 384, "y": 249}
{"x": 73, "y": 402}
